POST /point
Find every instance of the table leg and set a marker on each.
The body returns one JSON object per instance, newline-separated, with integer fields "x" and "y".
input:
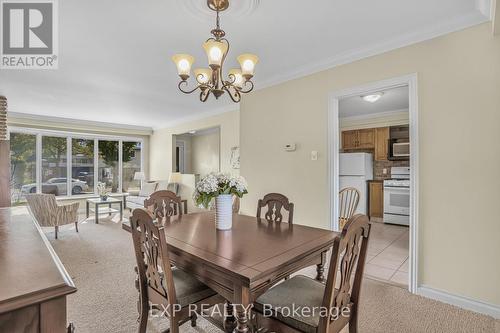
{"x": 320, "y": 269}
{"x": 121, "y": 211}
{"x": 230, "y": 319}
{"x": 109, "y": 205}
{"x": 242, "y": 308}
{"x": 96, "y": 213}
{"x": 124, "y": 202}
{"x": 88, "y": 209}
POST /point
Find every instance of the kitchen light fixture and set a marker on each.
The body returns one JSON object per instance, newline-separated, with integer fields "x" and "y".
{"x": 210, "y": 80}
{"x": 372, "y": 98}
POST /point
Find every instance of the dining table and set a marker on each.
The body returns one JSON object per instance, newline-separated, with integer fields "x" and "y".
{"x": 242, "y": 263}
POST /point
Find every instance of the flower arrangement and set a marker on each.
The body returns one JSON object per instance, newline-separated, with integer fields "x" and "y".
{"x": 215, "y": 184}
{"x": 102, "y": 190}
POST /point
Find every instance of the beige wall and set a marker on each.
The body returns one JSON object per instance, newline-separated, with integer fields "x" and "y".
{"x": 161, "y": 142}
{"x": 205, "y": 153}
{"x": 459, "y": 147}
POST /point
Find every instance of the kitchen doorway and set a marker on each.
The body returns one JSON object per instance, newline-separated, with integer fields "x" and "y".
{"x": 373, "y": 148}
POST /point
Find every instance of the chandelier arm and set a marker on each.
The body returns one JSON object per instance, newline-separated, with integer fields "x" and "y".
{"x": 248, "y": 89}
{"x": 237, "y": 96}
{"x": 185, "y": 83}
{"x": 204, "y": 95}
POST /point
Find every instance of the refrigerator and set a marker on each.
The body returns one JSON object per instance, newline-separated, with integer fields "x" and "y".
{"x": 355, "y": 169}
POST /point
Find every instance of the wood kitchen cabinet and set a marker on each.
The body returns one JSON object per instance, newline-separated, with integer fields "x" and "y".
{"x": 381, "y": 143}
{"x": 349, "y": 139}
{"x": 366, "y": 138}
{"x": 376, "y": 199}
{"x": 358, "y": 139}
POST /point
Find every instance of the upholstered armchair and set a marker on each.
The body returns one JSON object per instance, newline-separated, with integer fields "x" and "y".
{"x": 49, "y": 214}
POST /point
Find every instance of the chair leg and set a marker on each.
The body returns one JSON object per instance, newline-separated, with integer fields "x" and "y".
{"x": 174, "y": 325}
{"x": 193, "y": 320}
{"x": 353, "y": 322}
{"x": 56, "y": 229}
{"x": 76, "y": 226}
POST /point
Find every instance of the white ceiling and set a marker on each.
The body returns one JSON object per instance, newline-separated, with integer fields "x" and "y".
{"x": 114, "y": 61}
{"x": 395, "y": 99}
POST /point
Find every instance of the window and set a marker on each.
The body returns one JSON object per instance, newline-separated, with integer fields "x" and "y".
{"x": 131, "y": 157}
{"x": 70, "y": 165}
{"x": 22, "y": 165}
{"x": 82, "y": 166}
{"x": 108, "y": 164}
{"x": 54, "y": 165}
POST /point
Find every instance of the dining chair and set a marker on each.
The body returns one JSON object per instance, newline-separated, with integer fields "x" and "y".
{"x": 163, "y": 204}
{"x": 348, "y": 202}
{"x": 161, "y": 287}
{"x": 341, "y": 304}
{"x": 274, "y": 203}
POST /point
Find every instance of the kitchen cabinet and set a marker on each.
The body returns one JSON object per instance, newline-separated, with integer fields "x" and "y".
{"x": 366, "y": 138}
{"x": 376, "y": 199}
{"x": 381, "y": 143}
{"x": 349, "y": 139}
{"x": 358, "y": 139}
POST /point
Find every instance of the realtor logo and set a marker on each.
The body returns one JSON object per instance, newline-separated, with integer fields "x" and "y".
{"x": 29, "y": 34}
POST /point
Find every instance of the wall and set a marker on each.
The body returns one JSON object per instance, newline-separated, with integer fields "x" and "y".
{"x": 459, "y": 135}
{"x": 205, "y": 153}
{"x": 161, "y": 142}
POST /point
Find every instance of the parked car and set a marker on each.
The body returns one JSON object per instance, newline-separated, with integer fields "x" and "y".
{"x": 57, "y": 185}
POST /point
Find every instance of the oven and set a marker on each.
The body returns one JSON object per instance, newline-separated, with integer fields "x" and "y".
{"x": 397, "y": 197}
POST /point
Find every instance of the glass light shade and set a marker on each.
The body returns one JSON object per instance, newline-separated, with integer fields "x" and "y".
{"x": 215, "y": 52}
{"x": 247, "y": 62}
{"x": 238, "y": 78}
{"x": 203, "y": 75}
{"x": 183, "y": 63}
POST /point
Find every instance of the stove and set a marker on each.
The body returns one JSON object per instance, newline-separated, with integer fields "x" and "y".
{"x": 397, "y": 197}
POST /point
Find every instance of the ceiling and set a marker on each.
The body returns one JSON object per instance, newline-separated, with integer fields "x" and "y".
{"x": 395, "y": 99}
{"x": 114, "y": 59}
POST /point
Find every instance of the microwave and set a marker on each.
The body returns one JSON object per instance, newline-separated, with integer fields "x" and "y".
{"x": 399, "y": 150}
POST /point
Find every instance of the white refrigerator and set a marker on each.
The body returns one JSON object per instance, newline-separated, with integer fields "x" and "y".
{"x": 355, "y": 169}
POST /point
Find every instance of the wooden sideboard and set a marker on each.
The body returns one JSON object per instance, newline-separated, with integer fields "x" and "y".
{"x": 33, "y": 282}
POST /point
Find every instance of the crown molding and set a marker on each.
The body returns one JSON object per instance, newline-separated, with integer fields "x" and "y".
{"x": 19, "y": 118}
{"x": 421, "y": 35}
{"x": 196, "y": 117}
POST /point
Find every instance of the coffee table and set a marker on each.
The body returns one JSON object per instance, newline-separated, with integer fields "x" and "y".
{"x": 96, "y": 202}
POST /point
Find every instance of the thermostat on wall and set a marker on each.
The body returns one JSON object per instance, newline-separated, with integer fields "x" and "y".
{"x": 290, "y": 147}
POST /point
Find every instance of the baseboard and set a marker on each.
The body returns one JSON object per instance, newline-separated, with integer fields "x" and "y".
{"x": 460, "y": 301}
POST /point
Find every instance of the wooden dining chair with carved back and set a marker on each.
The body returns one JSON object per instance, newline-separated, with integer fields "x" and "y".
{"x": 274, "y": 203}
{"x": 348, "y": 203}
{"x": 163, "y": 204}
{"x": 161, "y": 287}
{"x": 341, "y": 303}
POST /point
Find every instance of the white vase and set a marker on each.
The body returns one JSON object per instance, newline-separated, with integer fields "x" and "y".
{"x": 224, "y": 212}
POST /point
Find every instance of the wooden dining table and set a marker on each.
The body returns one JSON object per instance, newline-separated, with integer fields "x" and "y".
{"x": 242, "y": 263}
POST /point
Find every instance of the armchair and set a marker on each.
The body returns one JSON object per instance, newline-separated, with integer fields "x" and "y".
{"x": 49, "y": 214}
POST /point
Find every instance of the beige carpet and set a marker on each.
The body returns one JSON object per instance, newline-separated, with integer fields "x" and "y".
{"x": 100, "y": 260}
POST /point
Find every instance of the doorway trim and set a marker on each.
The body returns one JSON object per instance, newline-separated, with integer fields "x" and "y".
{"x": 333, "y": 158}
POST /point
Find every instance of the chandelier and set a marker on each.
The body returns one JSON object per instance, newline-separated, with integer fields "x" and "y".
{"x": 211, "y": 80}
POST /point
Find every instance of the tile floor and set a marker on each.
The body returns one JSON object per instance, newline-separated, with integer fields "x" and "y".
{"x": 388, "y": 251}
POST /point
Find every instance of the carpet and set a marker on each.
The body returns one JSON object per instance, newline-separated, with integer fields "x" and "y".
{"x": 101, "y": 260}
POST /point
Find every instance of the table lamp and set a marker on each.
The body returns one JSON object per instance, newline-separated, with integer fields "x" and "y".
{"x": 176, "y": 179}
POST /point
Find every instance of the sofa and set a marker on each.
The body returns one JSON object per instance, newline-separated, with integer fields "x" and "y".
{"x": 137, "y": 200}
